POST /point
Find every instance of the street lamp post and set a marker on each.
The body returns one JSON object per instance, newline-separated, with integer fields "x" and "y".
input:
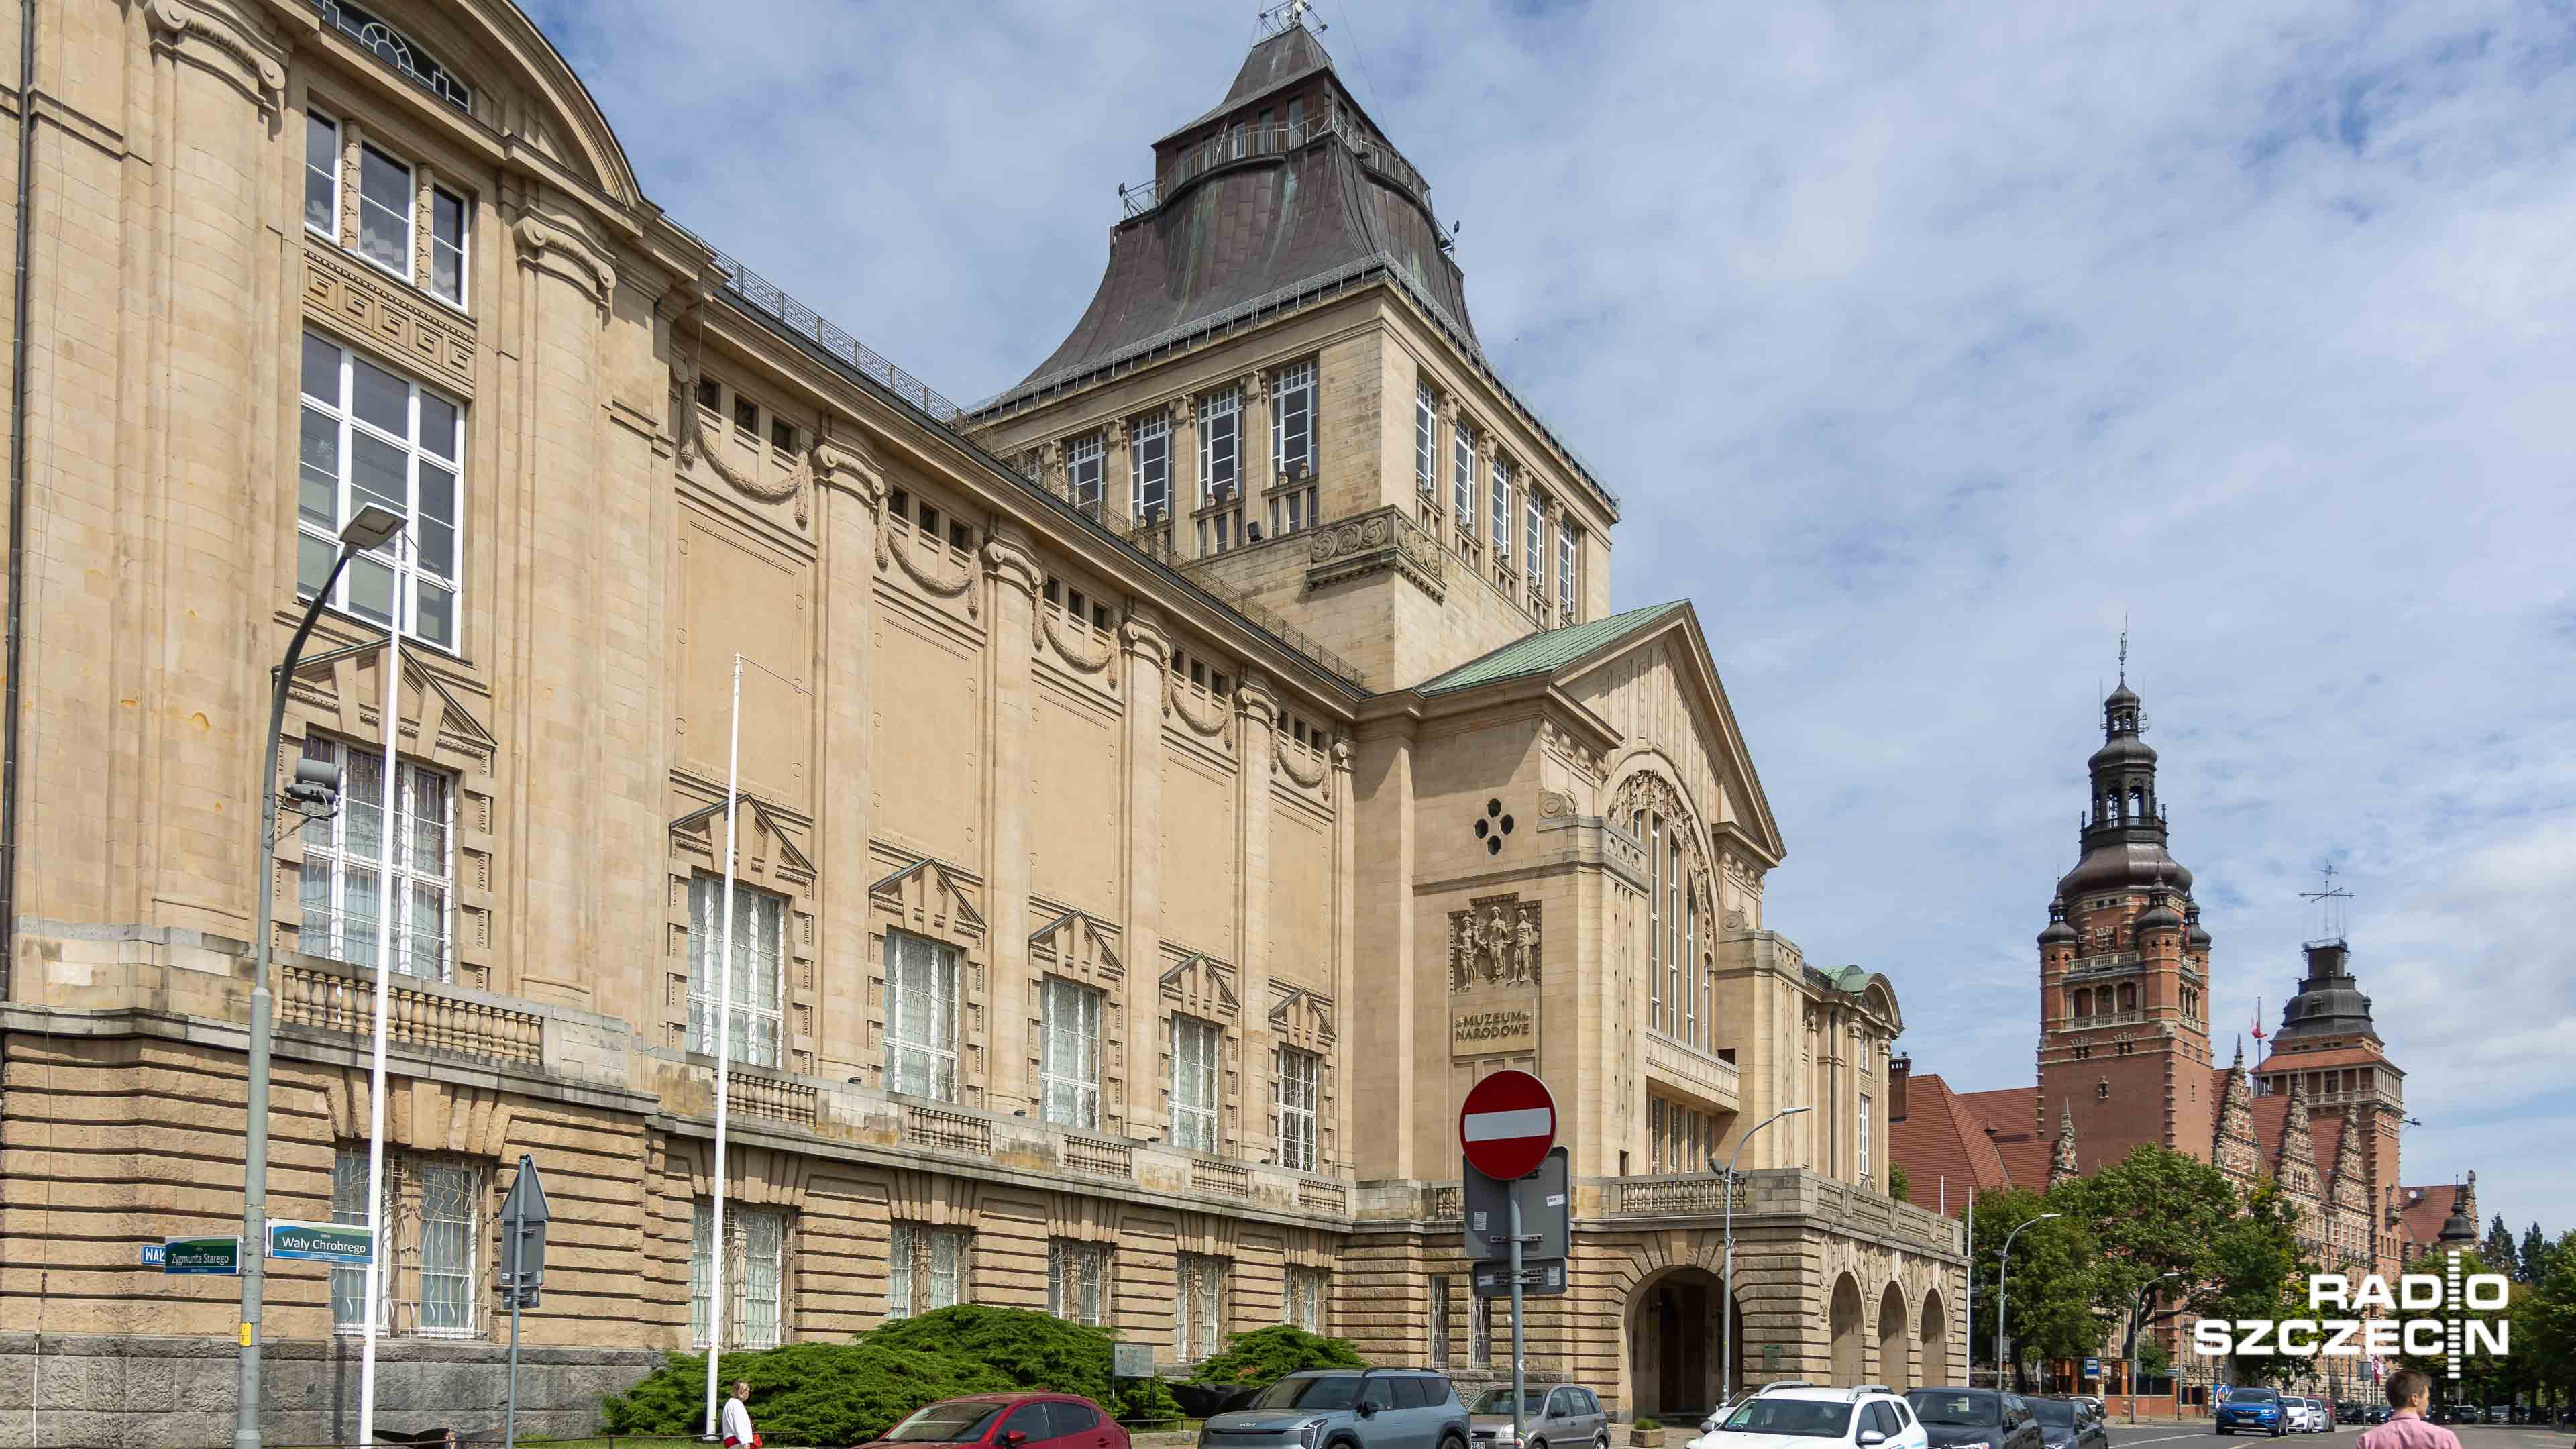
{"x": 370, "y": 528}
{"x": 2003, "y": 1295}
{"x": 1726, "y": 1311}
{"x": 2135, "y": 1322}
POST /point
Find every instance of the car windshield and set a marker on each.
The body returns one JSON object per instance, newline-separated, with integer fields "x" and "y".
{"x": 2251, "y": 1396}
{"x": 1972, "y": 1410}
{"x": 1499, "y": 1401}
{"x": 1806, "y": 1418}
{"x": 1325, "y": 1393}
{"x": 954, "y": 1422}
{"x": 2053, "y": 1411}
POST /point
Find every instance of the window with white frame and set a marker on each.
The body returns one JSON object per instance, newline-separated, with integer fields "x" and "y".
{"x": 343, "y": 884}
{"x": 1462, "y": 473}
{"x": 1300, "y": 1075}
{"x": 1440, "y": 1320}
{"x": 1220, "y": 445}
{"x": 1426, "y": 441}
{"x": 384, "y": 211}
{"x": 921, "y": 1016}
{"x": 322, "y": 174}
{"x": 1292, "y": 421}
{"x": 1534, "y": 546}
{"x": 1198, "y": 1306}
{"x": 755, "y": 1268}
{"x": 1078, "y": 1281}
{"x": 757, "y": 971}
{"x": 370, "y": 435}
{"x": 1860, "y": 1139}
{"x": 1502, "y": 486}
{"x": 432, "y": 1227}
{"x": 1149, "y": 467}
{"x": 1069, "y": 1054}
{"x": 1566, "y": 535}
{"x": 1309, "y": 1298}
{"x": 1085, "y": 459}
{"x": 449, "y": 214}
{"x": 926, "y": 1269}
{"x": 1195, "y": 1068}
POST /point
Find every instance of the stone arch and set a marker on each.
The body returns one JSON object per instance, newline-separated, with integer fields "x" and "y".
{"x": 1895, "y": 1361}
{"x": 553, "y": 106}
{"x": 1672, "y": 1337}
{"x": 1932, "y": 1341}
{"x": 1845, "y": 1351}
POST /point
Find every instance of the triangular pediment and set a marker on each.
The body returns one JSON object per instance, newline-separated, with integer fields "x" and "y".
{"x": 931, "y": 897}
{"x": 1075, "y": 945}
{"x": 765, "y": 836}
{"x": 1658, "y": 688}
{"x": 1301, "y": 1017}
{"x": 1200, "y": 983}
{"x": 347, "y": 681}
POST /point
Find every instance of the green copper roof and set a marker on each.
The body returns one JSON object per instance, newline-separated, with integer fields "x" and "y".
{"x": 1548, "y": 650}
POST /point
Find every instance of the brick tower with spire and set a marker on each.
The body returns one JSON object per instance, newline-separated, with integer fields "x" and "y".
{"x": 2124, "y": 1056}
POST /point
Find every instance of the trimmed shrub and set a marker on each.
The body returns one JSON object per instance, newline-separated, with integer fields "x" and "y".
{"x": 1267, "y": 1353}
{"x": 803, "y": 1393}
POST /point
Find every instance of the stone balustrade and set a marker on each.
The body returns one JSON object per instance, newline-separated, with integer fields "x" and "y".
{"x": 1768, "y": 1193}
{"x": 448, "y": 1020}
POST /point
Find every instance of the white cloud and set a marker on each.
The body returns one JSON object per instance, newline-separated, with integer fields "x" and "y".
{"x": 1924, "y": 344}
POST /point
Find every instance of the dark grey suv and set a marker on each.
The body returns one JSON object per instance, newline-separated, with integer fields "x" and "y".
{"x": 1348, "y": 1408}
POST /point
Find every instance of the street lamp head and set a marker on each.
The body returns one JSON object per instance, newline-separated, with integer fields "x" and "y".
{"x": 370, "y": 528}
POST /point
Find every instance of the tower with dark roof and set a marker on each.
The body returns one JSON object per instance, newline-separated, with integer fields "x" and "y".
{"x": 2328, "y": 1049}
{"x": 2124, "y": 969}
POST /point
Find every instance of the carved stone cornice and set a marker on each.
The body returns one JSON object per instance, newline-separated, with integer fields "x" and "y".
{"x": 1373, "y": 542}
{"x": 1255, "y": 697}
{"x": 1143, "y": 637}
{"x": 1341, "y": 757}
{"x": 371, "y": 308}
{"x": 253, "y": 60}
{"x": 1009, "y": 561}
{"x": 845, "y": 465}
{"x": 545, "y": 247}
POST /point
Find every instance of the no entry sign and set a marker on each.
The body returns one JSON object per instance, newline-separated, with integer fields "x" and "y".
{"x": 1507, "y": 1124}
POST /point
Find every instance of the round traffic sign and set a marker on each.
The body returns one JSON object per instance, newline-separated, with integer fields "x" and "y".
{"x": 1507, "y": 1124}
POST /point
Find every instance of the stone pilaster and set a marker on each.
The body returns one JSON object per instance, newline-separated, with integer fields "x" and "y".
{"x": 1147, "y": 654}
{"x": 1257, "y": 711}
{"x": 1015, "y": 579}
{"x": 1383, "y": 1038}
{"x": 851, "y": 489}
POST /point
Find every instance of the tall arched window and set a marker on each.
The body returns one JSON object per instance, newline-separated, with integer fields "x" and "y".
{"x": 1680, "y": 994}
{"x": 2137, "y": 802}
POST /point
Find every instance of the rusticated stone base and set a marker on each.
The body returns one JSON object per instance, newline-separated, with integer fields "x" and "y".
{"x": 101, "y": 1391}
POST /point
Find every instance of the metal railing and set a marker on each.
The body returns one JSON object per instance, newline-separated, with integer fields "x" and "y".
{"x": 1249, "y": 143}
{"x": 766, "y": 297}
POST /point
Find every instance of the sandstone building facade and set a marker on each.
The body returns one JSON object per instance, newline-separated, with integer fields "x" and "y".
{"x": 1165, "y": 787}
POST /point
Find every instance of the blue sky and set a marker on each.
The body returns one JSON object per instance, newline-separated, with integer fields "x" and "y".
{"x": 1925, "y": 344}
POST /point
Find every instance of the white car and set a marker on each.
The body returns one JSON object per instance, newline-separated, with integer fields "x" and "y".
{"x": 2301, "y": 1416}
{"x": 1807, "y": 1418}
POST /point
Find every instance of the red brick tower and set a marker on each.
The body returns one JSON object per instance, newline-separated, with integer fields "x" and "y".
{"x": 2124, "y": 971}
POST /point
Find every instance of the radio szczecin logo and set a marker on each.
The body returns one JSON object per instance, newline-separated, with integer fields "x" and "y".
{"x": 2446, "y": 1335}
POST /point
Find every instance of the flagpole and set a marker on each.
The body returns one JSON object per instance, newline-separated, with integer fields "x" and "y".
{"x": 724, "y": 1053}
{"x": 386, "y": 834}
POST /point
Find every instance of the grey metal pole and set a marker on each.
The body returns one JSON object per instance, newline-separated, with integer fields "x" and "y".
{"x": 254, "y": 1243}
{"x": 1520, "y": 1381}
{"x": 1968, "y": 1321}
{"x": 1726, "y": 1311}
{"x": 518, "y": 1275}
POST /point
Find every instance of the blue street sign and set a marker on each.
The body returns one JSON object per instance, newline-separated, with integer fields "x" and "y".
{"x": 156, "y": 1255}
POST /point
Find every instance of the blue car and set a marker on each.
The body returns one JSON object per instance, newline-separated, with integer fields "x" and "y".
{"x": 2258, "y": 1410}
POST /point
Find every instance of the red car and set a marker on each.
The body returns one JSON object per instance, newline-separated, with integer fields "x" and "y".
{"x": 1011, "y": 1421}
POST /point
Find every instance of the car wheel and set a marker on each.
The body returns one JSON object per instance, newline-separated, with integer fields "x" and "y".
{"x": 2223, "y": 1429}
{"x": 1452, "y": 1441}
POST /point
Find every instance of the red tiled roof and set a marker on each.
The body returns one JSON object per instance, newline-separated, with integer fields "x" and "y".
{"x": 2294, "y": 1060}
{"x": 2422, "y": 1211}
{"x": 1941, "y": 1139}
{"x": 2010, "y": 1111}
{"x": 2027, "y": 1160}
{"x": 2326, "y": 1135}
{"x": 2271, "y": 1113}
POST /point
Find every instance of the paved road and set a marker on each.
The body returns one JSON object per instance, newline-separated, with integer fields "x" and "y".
{"x": 2472, "y": 1436}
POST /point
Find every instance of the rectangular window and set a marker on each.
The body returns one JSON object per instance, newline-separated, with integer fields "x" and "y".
{"x": 1308, "y": 1292}
{"x": 1083, "y": 460}
{"x": 322, "y": 175}
{"x": 1533, "y": 546}
{"x": 342, "y": 886}
{"x": 1462, "y": 472}
{"x": 1502, "y": 486}
{"x": 1149, "y": 468}
{"x": 926, "y": 1269}
{"x": 1861, "y": 1140}
{"x": 449, "y": 216}
{"x": 1292, "y": 421}
{"x": 1198, "y": 1306}
{"x": 1069, "y": 1063}
{"x": 432, "y": 1224}
{"x": 921, "y": 1021}
{"x": 372, "y": 436}
{"x": 1220, "y": 445}
{"x": 757, "y": 971}
{"x": 1655, "y": 1136}
{"x": 384, "y": 211}
{"x": 1440, "y": 1320}
{"x": 1480, "y": 1334}
{"x": 1194, "y": 1083}
{"x": 1300, "y": 1075}
{"x": 1565, "y": 536}
{"x": 755, "y": 1267}
{"x": 1426, "y": 441}
{"x": 1078, "y": 1282}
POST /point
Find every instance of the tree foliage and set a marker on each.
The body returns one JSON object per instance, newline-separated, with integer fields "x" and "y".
{"x": 2533, "y": 1260}
{"x": 2544, "y": 1332}
{"x": 2048, "y": 1292}
{"x": 803, "y": 1393}
{"x": 2499, "y": 1248}
{"x": 1268, "y": 1353}
{"x": 1901, "y": 1188}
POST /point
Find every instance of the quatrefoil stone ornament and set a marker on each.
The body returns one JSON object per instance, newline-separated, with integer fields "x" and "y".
{"x": 1492, "y": 826}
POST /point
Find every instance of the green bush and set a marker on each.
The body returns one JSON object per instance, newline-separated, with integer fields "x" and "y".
{"x": 804, "y": 1393}
{"x": 1266, "y": 1353}
{"x": 1034, "y": 1351}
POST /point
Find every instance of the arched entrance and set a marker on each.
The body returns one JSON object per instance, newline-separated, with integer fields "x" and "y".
{"x": 1893, "y": 1368}
{"x": 1933, "y": 1339}
{"x": 1846, "y": 1332}
{"x": 1673, "y": 1344}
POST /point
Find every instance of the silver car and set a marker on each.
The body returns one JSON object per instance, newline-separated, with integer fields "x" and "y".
{"x": 1563, "y": 1417}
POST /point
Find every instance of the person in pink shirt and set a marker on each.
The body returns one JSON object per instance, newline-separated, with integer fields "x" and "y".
{"x": 2410, "y": 1392}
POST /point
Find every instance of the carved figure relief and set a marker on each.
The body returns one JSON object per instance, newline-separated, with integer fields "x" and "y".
{"x": 1496, "y": 941}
